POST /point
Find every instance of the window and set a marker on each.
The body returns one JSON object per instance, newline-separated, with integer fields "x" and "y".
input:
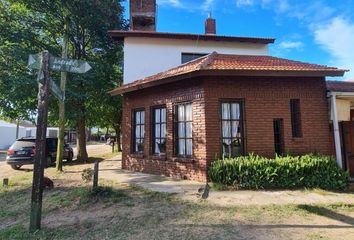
{"x": 187, "y": 57}
{"x": 295, "y": 118}
{"x": 278, "y": 136}
{"x": 183, "y": 130}
{"x": 139, "y": 131}
{"x": 231, "y": 124}
{"x": 159, "y": 131}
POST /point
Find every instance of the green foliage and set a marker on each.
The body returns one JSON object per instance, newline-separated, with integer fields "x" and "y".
{"x": 30, "y": 26}
{"x": 289, "y": 172}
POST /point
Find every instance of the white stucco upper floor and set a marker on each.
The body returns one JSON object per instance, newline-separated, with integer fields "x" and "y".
{"x": 148, "y": 53}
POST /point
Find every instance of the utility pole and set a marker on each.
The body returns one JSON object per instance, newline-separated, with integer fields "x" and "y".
{"x": 63, "y": 76}
{"x": 39, "y": 162}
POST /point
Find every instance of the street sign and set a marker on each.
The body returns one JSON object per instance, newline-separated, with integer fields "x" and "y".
{"x": 68, "y": 65}
{"x": 59, "y": 64}
{"x": 34, "y": 61}
{"x": 58, "y": 93}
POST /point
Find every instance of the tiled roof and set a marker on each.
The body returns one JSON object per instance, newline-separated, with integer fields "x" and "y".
{"x": 242, "y": 65}
{"x": 340, "y": 86}
{"x": 120, "y": 35}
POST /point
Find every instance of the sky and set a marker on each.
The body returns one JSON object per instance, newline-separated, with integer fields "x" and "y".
{"x": 315, "y": 31}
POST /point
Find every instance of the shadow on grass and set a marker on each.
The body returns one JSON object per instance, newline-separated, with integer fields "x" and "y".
{"x": 141, "y": 211}
{"x": 325, "y": 212}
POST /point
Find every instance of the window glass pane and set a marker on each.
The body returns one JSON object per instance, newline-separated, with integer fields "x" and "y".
{"x": 180, "y": 112}
{"x": 140, "y": 145}
{"x": 163, "y": 115}
{"x": 188, "y": 112}
{"x": 226, "y": 146}
{"x": 157, "y": 131}
{"x": 136, "y": 146}
{"x": 157, "y": 147}
{"x": 189, "y": 147}
{"x": 225, "y": 111}
{"x": 235, "y": 111}
{"x": 137, "y": 117}
{"x": 226, "y": 131}
{"x": 163, "y": 130}
{"x": 157, "y": 115}
{"x": 236, "y": 147}
{"x": 142, "y": 117}
{"x": 181, "y": 147}
{"x": 181, "y": 129}
{"x": 142, "y": 133}
{"x": 188, "y": 129}
{"x": 137, "y": 132}
{"x": 163, "y": 146}
{"x": 235, "y": 129}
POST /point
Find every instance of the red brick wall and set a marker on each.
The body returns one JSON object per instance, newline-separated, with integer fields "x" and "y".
{"x": 264, "y": 100}
{"x": 169, "y": 165}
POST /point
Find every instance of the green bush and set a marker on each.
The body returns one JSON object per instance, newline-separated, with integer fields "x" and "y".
{"x": 288, "y": 172}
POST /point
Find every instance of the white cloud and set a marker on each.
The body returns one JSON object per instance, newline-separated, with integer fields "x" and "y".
{"x": 245, "y": 3}
{"x": 337, "y": 38}
{"x": 207, "y": 5}
{"x": 172, "y": 3}
{"x": 291, "y": 45}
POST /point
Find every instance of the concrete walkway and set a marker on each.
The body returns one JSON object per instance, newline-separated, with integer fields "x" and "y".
{"x": 188, "y": 190}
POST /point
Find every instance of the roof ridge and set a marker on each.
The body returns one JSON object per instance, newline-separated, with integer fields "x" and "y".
{"x": 206, "y": 62}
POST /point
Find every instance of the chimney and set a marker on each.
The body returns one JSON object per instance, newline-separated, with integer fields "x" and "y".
{"x": 143, "y": 15}
{"x": 210, "y": 25}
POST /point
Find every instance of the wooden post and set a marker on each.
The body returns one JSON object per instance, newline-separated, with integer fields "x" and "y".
{"x": 5, "y": 182}
{"x": 60, "y": 147}
{"x": 113, "y": 147}
{"x": 39, "y": 162}
{"x": 95, "y": 176}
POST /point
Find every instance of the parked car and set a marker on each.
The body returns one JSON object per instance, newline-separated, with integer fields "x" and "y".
{"x": 23, "y": 150}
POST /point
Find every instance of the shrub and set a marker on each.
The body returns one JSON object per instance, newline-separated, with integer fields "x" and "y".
{"x": 288, "y": 172}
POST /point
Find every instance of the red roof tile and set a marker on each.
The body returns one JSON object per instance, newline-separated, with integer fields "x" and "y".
{"x": 340, "y": 86}
{"x": 242, "y": 65}
{"x": 120, "y": 35}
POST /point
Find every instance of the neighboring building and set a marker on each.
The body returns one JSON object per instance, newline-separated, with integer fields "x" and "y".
{"x": 341, "y": 95}
{"x": 25, "y": 129}
{"x": 201, "y": 97}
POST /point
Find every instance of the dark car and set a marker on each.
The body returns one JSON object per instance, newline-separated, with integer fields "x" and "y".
{"x": 22, "y": 152}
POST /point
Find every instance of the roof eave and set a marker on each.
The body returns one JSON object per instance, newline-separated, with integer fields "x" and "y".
{"x": 221, "y": 72}
{"x": 120, "y": 35}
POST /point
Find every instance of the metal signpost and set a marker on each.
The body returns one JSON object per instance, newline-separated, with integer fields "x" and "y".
{"x": 43, "y": 62}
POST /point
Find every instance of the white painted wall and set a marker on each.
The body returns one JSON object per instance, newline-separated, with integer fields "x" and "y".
{"x": 8, "y": 136}
{"x": 8, "y": 133}
{"x": 144, "y": 57}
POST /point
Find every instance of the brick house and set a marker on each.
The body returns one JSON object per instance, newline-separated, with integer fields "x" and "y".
{"x": 189, "y": 99}
{"x": 177, "y": 122}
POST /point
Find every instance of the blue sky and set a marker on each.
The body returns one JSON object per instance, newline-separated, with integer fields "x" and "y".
{"x": 316, "y": 31}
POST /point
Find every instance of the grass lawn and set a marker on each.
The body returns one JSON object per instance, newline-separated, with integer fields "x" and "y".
{"x": 119, "y": 211}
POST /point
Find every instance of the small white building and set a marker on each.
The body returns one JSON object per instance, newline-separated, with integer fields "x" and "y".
{"x": 8, "y": 133}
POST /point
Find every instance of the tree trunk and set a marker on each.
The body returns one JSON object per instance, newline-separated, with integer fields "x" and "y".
{"x": 117, "y": 130}
{"x": 81, "y": 140}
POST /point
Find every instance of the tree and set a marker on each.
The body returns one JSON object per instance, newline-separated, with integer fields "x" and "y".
{"x": 29, "y": 26}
